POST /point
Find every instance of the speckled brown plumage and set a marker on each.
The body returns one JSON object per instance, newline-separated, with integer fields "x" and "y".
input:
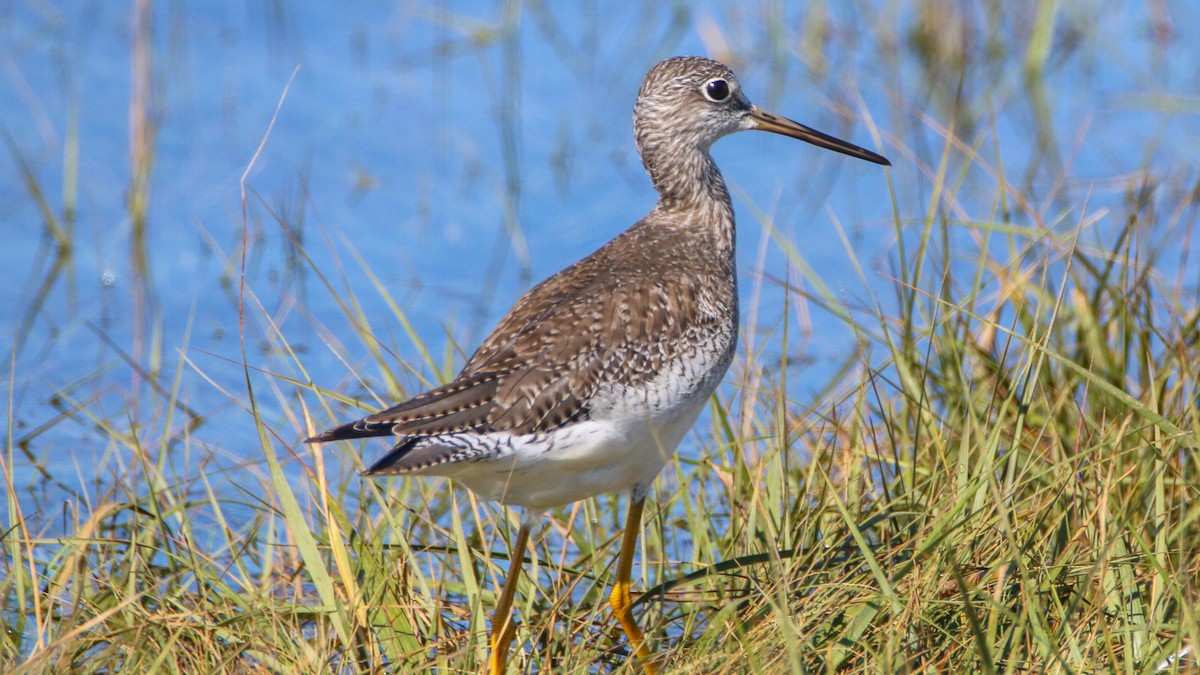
{"x": 657, "y": 301}
{"x": 592, "y": 379}
{"x": 616, "y": 316}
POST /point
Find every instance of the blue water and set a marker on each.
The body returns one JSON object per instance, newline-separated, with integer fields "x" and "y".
{"x": 391, "y": 143}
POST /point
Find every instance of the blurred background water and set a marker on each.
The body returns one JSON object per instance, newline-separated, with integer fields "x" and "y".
{"x": 467, "y": 150}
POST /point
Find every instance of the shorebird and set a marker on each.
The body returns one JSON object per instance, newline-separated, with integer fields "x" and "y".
{"x": 594, "y": 376}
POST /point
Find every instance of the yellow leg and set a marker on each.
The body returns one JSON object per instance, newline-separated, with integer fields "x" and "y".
{"x": 504, "y": 628}
{"x": 619, "y": 599}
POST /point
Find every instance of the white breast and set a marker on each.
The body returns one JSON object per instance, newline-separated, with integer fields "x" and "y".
{"x": 630, "y": 433}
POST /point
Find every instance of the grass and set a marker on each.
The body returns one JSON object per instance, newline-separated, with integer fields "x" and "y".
{"x": 1004, "y": 477}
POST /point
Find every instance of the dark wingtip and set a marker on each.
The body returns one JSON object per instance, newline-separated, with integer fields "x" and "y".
{"x": 398, "y": 460}
{"x": 351, "y": 431}
{"x": 325, "y": 436}
{"x": 375, "y": 469}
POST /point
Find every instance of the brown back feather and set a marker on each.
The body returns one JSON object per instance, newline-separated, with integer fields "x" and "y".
{"x": 617, "y": 315}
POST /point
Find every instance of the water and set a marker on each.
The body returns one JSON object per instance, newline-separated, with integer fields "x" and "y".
{"x": 466, "y": 151}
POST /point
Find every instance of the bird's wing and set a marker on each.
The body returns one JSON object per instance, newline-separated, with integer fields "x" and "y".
{"x": 539, "y": 376}
{"x": 593, "y": 325}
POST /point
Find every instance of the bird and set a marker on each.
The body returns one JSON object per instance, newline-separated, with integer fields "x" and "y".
{"x": 591, "y": 380}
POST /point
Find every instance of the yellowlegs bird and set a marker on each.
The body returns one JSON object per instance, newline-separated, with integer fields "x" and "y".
{"x": 594, "y": 376}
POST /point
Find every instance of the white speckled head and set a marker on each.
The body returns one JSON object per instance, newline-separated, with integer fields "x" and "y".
{"x": 687, "y": 103}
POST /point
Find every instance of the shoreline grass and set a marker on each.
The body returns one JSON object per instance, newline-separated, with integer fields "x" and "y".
{"x": 1004, "y": 476}
{"x": 974, "y": 498}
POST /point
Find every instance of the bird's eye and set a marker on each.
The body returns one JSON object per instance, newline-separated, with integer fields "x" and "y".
{"x": 716, "y": 90}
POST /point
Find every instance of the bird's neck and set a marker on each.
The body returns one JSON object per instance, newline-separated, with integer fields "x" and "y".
{"x": 691, "y": 188}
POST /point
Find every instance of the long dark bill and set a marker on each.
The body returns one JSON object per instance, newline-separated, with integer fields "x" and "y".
{"x": 781, "y": 125}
